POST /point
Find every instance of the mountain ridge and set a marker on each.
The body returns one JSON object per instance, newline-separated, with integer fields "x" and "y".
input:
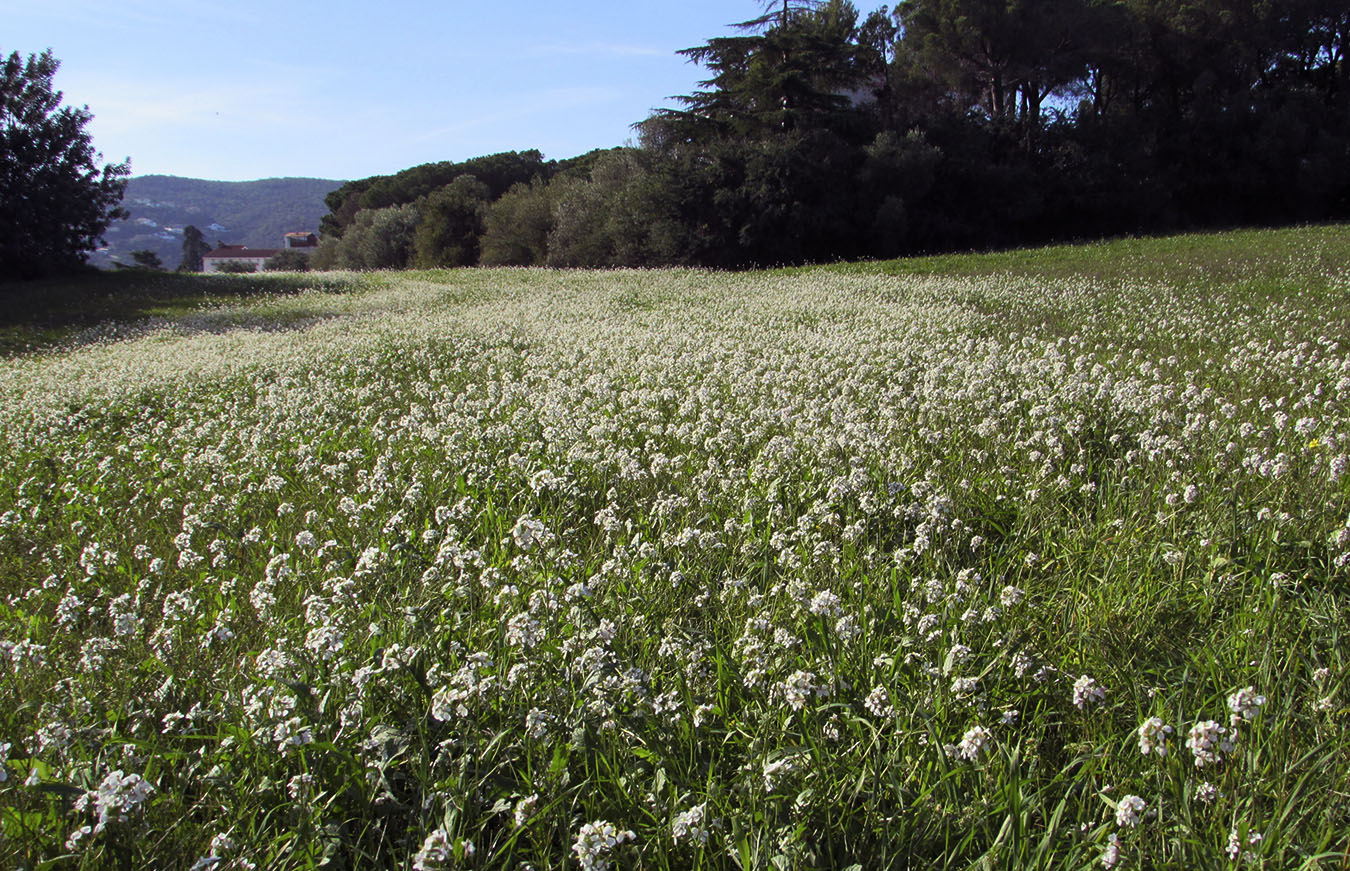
{"x": 253, "y": 213}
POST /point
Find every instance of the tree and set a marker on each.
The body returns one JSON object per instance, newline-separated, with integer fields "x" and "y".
{"x": 451, "y": 222}
{"x": 287, "y": 260}
{"x": 194, "y": 249}
{"x": 794, "y": 73}
{"x": 1004, "y": 56}
{"x": 55, "y": 202}
{"x": 376, "y": 239}
{"x": 147, "y": 259}
{"x": 236, "y": 267}
{"x": 516, "y": 227}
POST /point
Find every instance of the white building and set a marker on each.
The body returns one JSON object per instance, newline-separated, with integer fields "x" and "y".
{"x": 304, "y": 242}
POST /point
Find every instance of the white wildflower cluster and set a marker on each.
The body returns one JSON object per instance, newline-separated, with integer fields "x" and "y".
{"x": 1087, "y": 693}
{"x": 596, "y": 841}
{"x": 466, "y": 684}
{"x": 1111, "y": 855}
{"x": 524, "y": 809}
{"x": 1128, "y": 811}
{"x": 689, "y": 826}
{"x": 973, "y": 743}
{"x": 1240, "y": 850}
{"x": 1153, "y": 735}
{"x": 437, "y": 851}
{"x": 1208, "y": 742}
{"x": 117, "y": 798}
{"x": 878, "y": 703}
{"x": 778, "y": 769}
{"x": 1244, "y": 705}
{"x": 799, "y": 687}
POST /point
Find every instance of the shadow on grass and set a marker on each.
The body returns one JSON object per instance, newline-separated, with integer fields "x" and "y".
{"x": 71, "y": 311}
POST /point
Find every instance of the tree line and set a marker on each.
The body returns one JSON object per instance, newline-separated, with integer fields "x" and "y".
{"x": 820, "y": 133}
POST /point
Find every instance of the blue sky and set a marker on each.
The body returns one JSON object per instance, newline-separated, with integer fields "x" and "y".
{"x": 250, "y": 89}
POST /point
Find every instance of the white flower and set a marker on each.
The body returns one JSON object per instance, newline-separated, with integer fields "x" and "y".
{"x": 797, "y": 688}
{"x": 965, "y": 686}
{"x": 524, "y": 808}
{"x": 116, "y": 798}
{"x": 595, "y": 841}
{"x": 878, "y": 702}
{"x": 973, "y": 743}
{"x": 436, "y": 852}
{"x": 1207, "y": 742}
{"x": 536, "y": 723}
{"x": 1245, "y": 704}
{"x": 1111, "y": 855}
{"x": 1086, "y": 692}
{"x": 1153, "y": 735}
{"x": 77, "y": 837}
{"x": 528, "y": 532}
{"x": 290, "y": 734}
{"x": 777, "y": 769}
{"x": 825, "y": 604}
{"x": 523, "y": 631}
{"x": 688, "y": 826}
{"x": 1128, "y": 810}
{"x": 1235, "y": 846}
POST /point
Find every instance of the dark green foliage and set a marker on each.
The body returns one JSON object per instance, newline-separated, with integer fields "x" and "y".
{"x": 497, "y": 171}
{"x": 236, "y": 267}
{"x": 147, "y": 260}
{"x": 451, "y": 224}
{"x": 615, "y": 217}
{"x": 821, "y": 134}
{"x": 194, "y": 249}
{"x": 516, "y": 226}
{"x": 794, "y": 75}
{"x": 287, "y": 260}
{"x": 55, "y": 202}
{"x": 377, "y": 239}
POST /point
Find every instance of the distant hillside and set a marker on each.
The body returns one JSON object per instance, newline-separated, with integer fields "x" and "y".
{"x": 252, "y": 213}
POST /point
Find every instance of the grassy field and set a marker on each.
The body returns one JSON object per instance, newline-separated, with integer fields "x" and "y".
{"x": 1020, "y": 560}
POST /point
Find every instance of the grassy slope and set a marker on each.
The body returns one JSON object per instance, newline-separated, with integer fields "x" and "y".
{"x": 41, "y": 314}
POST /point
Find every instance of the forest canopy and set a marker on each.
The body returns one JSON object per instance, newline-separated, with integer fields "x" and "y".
{"x": 821, "y": 133}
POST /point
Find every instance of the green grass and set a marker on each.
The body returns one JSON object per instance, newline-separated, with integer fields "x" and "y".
{"x": 1235, "y": 255}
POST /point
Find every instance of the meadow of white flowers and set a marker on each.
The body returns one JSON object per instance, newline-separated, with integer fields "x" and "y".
{"x": 522, "y": 569}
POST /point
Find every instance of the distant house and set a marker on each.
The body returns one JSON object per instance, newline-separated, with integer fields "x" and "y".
{"x": 304, "y": 242}
{"x": 212, "y": 261}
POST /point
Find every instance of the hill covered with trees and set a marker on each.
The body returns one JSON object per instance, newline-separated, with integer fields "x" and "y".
{"x": 822, "y": 133}
{"x": 252, "y": 213}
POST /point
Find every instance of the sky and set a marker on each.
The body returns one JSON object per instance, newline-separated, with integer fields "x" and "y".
{"x": 346, "y": 90}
